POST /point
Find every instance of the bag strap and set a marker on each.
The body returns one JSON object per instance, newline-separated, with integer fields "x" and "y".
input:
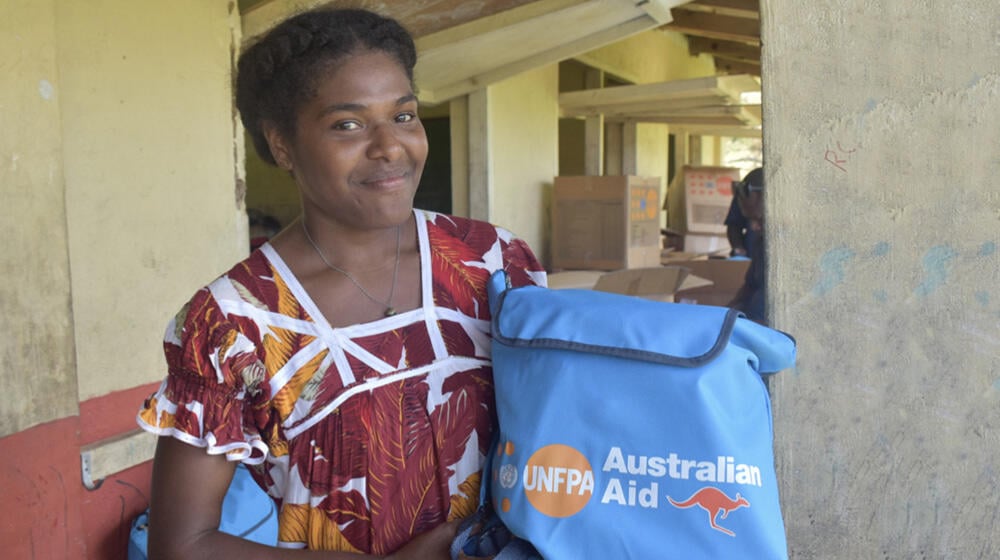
{"x": 721, "y": 340}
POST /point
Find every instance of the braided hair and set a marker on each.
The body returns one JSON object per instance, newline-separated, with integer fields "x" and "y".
{"x": 281, "y": 71}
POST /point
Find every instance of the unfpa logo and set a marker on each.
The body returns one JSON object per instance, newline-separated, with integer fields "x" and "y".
{"x": 557, "y": 479}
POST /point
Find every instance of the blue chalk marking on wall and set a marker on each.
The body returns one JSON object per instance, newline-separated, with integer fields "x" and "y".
{"x": 880, "y": 296}
{"x": 983, "y": 298}
{"x": 936, "y": 262}
{"x": 881, "y": 249}
{"x": 831, "y": 269}
{"x": 987, "y": 249}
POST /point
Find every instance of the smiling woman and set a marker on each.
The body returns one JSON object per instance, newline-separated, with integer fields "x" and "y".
{"x": 346, "y": 362}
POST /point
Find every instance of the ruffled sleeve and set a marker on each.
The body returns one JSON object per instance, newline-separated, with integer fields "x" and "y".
{"x": 521, "y": 265}
{"x": 209, "y": 397}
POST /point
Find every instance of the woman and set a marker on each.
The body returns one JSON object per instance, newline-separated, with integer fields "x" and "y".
{"x": 347, "y": 360}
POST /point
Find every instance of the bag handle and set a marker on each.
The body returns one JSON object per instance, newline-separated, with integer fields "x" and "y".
{"x": 499, "y": 289}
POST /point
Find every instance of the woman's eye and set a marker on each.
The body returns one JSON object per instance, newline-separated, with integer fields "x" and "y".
{"x": 347, "y": 125}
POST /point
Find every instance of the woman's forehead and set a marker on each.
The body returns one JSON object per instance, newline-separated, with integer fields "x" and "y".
{"x": 368, "y": 75}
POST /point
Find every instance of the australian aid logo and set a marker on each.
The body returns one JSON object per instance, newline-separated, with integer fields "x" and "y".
{"x": 559, "y": 481}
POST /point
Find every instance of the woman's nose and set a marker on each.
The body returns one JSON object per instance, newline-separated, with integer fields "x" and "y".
{"x": 384, "y": 143}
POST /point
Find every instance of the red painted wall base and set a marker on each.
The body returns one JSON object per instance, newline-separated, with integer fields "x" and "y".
{"x": 46, "y": 511}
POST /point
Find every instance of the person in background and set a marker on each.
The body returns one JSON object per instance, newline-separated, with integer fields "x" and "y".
{"x": 748, "y": 197}
{"x": 347, "y": 361}
{"x": 741, "y": 236}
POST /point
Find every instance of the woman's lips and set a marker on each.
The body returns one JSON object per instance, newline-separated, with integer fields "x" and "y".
{"x": 391, "y": 180}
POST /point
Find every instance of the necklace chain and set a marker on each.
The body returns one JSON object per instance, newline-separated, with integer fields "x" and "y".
{"x": 389, "y": 309}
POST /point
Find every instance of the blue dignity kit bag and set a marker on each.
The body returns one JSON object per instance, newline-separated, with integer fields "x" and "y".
{"x": 632, "y": 428}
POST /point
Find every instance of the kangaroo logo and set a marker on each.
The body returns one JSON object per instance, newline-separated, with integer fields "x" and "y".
{"x": 713, "y": 501}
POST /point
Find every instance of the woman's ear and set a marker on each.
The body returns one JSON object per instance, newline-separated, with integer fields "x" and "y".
{"x": 278, "y": 145}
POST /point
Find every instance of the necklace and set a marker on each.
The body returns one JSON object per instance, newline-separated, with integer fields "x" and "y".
{"x": 389, "y": 309}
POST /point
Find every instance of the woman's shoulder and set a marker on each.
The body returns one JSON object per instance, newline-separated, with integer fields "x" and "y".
{"x": 478, "y": 241}
{"x": 469, "y": 230}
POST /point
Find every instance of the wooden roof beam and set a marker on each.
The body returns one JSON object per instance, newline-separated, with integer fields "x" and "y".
{"x": 723, "y": 121}
{"x": 467, "y": 57}
{"x": 726, "y": 28}
{"x": 717, "y": 130}
{"x": 749, "y": 9}
{"x": 729, "y": 50}
{"x": 732, "y": 67}
{"x": 712, "y": 87}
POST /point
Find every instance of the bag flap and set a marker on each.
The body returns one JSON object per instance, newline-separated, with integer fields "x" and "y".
{"x": 615, "y": 324}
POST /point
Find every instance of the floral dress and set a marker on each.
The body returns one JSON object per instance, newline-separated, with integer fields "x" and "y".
{"x": 364, "y": 435}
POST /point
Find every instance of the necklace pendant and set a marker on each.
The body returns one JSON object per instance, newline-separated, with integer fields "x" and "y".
{"x": 389, "y": 312}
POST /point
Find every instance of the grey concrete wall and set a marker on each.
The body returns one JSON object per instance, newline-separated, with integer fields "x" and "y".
{"x": 881, "y": 133}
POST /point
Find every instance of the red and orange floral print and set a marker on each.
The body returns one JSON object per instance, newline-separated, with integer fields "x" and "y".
{"x": 364, "y": 435}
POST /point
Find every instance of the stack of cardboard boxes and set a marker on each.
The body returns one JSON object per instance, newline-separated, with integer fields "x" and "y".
{"x": 606, "y": 236}
{"x": 605, "y": 222}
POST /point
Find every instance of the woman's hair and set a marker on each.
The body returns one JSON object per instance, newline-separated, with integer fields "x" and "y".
{"x": 281, "y": 70}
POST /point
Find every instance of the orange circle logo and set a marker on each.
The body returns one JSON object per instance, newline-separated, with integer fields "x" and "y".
{"x": 652, "y": 198}
{"x": 558, "y": 480}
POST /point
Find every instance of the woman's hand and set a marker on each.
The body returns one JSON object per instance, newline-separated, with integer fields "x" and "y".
{"x": 432, "y": 545}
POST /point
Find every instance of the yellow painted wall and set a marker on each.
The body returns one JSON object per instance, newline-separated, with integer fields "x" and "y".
{"x": 652, "y": 160}
{"x": 153, "y": 179}
{"x": 652, "y": 56}
{"x": 524, "y": 138}
{"x": 269, "y": 189}
{"x": 37, "y": 371}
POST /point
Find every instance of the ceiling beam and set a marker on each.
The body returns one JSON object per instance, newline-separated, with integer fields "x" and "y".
{"x": 749, "y": 9}
{"x": 717, "y": 130}
{"x": 731, "y": 87}
{"x": 726, "y": 28}
{"x": 731, "y": 67}
{"x": 625, "y": 108}
{"x": 467, "y": 57}
{"x": 713, "y": 100}
{"x": 729, "y": 50}
{"x": 488, "y": 23}
{"x": 721, "y": 121}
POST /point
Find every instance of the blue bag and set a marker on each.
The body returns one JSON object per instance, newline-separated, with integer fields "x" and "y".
{"x": 632, "y": 428}
{"x": 247, "y": 512}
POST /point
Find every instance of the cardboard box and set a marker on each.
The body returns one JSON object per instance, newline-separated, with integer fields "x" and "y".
{"x": 656, "y": 283}
{"x": 726, "y": 277}
{"x": 708, "y": 192}
{"x": 605, "y": 223}
{"x": 707, "y": 244}
{"x": 668, "y": 256}
{"x": 577, "y": 279}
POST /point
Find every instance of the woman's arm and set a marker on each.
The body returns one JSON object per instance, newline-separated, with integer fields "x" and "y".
{"x": 188, "y": 489}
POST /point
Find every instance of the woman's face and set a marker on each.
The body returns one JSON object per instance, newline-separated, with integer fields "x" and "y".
{"x": 752, "y": 207}
{"x": 359, "y": 147}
